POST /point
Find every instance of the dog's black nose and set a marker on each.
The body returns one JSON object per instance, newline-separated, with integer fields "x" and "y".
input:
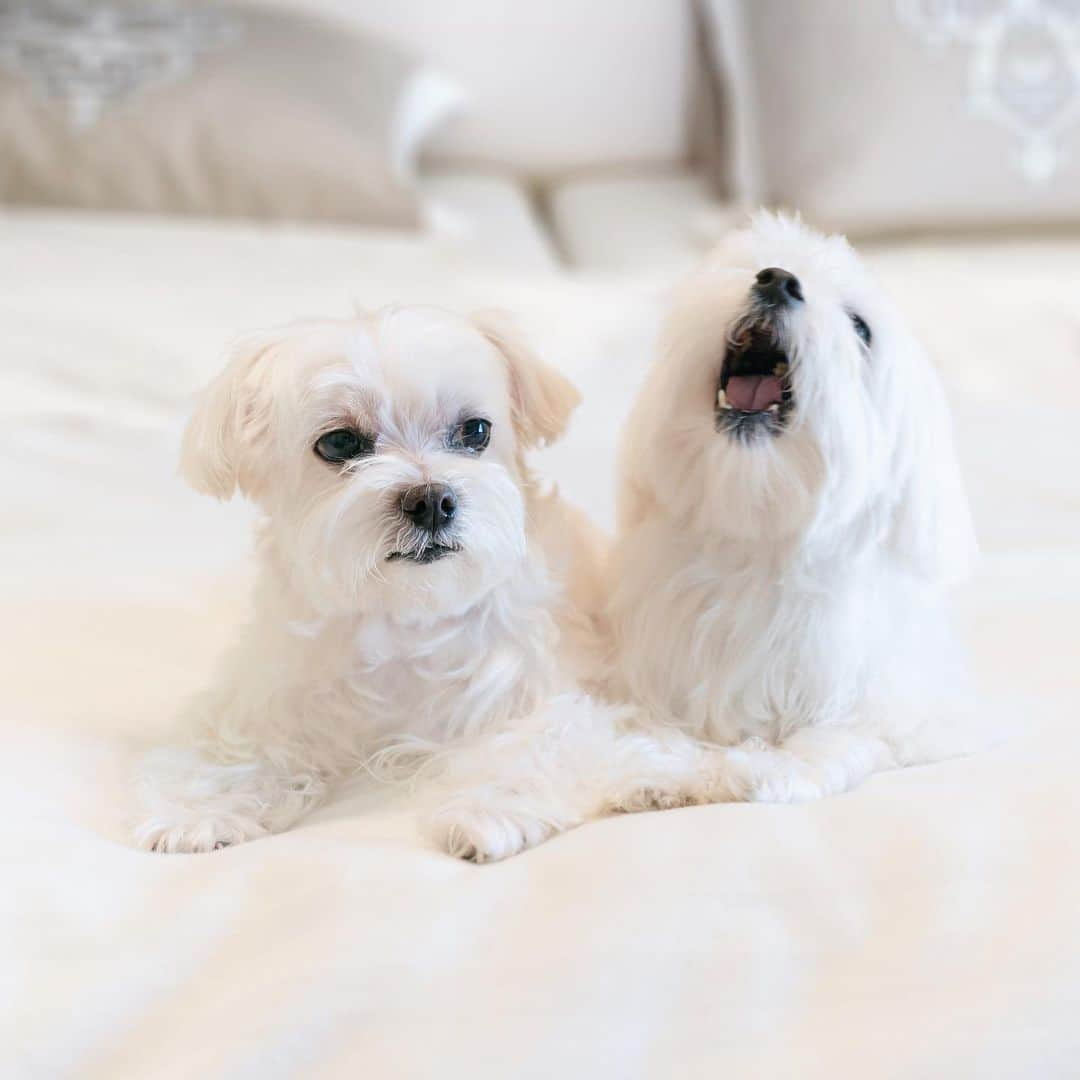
{"x": 777, "y": 286}
{"x": 430, "y": 506}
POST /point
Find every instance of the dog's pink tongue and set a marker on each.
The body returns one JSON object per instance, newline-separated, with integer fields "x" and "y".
{"x": 752, "y": 393}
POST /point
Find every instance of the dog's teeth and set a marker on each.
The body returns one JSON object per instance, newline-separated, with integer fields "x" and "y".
{"x": 774, "y": 407}
{"x": 781, "y": 369}
{"x": 721, "y": 399}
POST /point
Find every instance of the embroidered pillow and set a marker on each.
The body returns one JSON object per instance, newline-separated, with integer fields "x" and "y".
{"x": 890, "y": 115}
{"x": 167, "y": 107}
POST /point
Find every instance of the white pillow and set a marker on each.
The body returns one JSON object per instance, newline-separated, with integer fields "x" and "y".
{"x": 553, "y": 87}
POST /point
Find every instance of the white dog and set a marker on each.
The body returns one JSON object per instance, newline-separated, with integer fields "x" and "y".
{"x": 414, "y": 583}
{"x": 790, "y": 512}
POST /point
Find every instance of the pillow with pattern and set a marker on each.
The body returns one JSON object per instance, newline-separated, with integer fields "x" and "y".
{"x": 174, "y": 108}
{"x": 889, "y": 115}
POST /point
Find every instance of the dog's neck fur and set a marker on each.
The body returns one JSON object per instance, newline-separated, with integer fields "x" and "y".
{"x": 360, "y": 679}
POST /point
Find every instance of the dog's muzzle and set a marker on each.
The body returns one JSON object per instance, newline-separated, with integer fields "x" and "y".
{"x": 431, "y": 511}
{"x": 424, "y": 553}
{"x": 754, "y": 395}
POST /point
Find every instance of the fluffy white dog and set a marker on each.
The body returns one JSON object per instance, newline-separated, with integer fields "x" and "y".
{"x": 790, "y": 512}
{"x": 414, "y": 583}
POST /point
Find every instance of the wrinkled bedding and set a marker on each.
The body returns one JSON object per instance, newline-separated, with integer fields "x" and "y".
{"x": 925, "y": 925}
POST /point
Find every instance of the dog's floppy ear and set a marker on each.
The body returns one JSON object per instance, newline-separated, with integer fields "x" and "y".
{"x": 221, "y": 447}
{"x": 541, "y": 397}
{"x": 931, "y": 529}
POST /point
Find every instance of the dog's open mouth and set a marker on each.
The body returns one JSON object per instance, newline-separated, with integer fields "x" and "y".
{"x": 754, "y": 395}
{"x": 428, "y": 554}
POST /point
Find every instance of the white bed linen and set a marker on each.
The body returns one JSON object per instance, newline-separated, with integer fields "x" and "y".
{"x": 926, "y": 925}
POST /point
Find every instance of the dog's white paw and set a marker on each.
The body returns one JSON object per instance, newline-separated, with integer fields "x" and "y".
{"x": 484, "y": 834}
{"x": 194, "y": 837}
{"x": 656, "y": 796}
{"x": 769, "y": 776}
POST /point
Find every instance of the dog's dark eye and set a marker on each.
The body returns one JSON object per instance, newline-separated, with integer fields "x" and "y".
{"x": 344, "y": 444}
{"x": 861, "y": 328}
{"x": 473, "y": 434}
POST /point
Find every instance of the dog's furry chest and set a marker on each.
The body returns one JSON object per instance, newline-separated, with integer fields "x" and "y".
{"x": 440, "y": 681}
{"x": 330, "y": 690}
{"x": 731, "y": 645}
{"x": 783, "y": 655}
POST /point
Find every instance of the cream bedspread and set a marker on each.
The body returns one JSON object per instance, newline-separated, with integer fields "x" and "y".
{"x": 926, "y": 925}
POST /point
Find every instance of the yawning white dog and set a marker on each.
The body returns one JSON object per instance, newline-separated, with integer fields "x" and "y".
{"x": 790, "y": 512}
{"x": 414, "y": 583}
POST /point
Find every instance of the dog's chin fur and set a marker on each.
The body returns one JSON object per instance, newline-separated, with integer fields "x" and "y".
{"x": 361, "y": 642}
{"x": 787, "y": 586}
{"x": 348, "y": 552}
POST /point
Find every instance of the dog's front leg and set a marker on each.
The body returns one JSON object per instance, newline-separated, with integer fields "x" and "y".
{"x": 490, "y": 822}
{"x": 501, "y": 794}
{"x": 811, "y": 764}
{"x": 573, "y": 762}
{"x": 193, "y": 803}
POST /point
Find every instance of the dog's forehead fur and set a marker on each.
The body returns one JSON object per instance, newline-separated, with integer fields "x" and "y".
{"x": 402, "y": 366}
{"x": 428, "y": 357}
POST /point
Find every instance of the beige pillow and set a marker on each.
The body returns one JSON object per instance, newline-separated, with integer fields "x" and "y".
{"x": 888, "y": 115}
{"x": 167, "y": 107}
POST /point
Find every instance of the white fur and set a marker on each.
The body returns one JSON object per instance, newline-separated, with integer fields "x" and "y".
{"x": 348, "y": 652}
{"x": 790, "y": 590}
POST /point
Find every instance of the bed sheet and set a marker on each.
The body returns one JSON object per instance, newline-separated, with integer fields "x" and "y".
{"x": 925, "y": 925}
